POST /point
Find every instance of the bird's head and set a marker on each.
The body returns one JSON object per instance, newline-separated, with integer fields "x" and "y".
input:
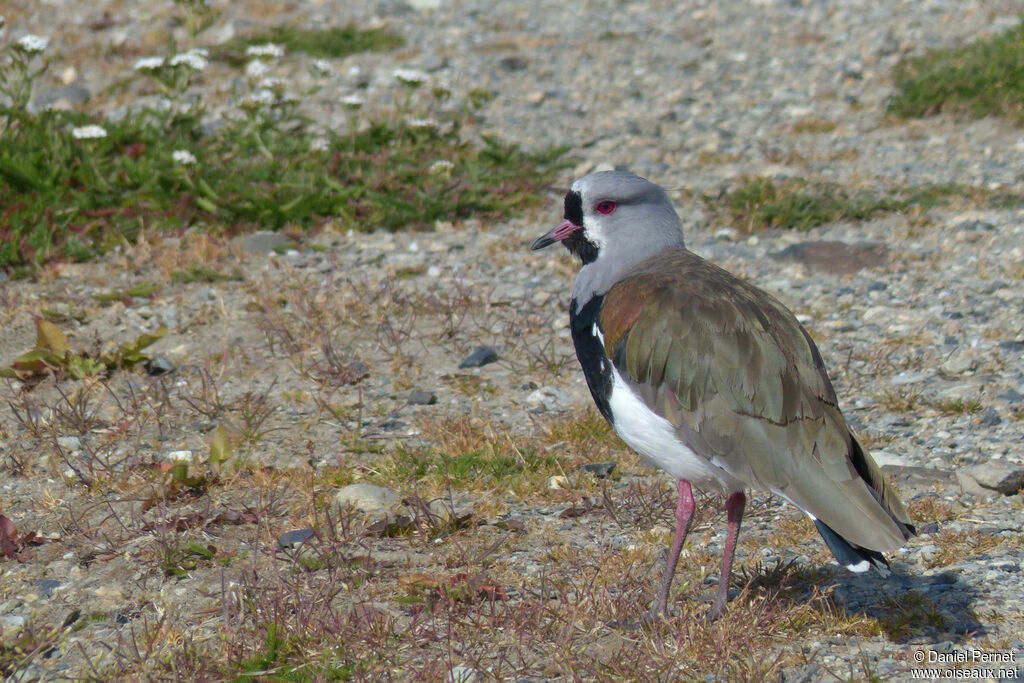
{"x": 615, "y": 217}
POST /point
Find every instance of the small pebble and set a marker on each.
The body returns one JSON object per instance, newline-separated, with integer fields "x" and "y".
{"x": 482, "y": 355}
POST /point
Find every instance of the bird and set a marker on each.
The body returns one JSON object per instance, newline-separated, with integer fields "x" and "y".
{"x": 713, "y": 380}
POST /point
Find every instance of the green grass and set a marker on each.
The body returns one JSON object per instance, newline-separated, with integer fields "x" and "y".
{"x": 959, "y": 406}
{"x": 336, "y": 42}
{"x": 800, "y": 204}
{"x": 479, "y": 467}
{"x": 984, "y": 78}
{"x": 909, "y": 613}
{"x": 198, "y": 273}
{"x": 283, "y": 659}
{"x": 62, "y": 197}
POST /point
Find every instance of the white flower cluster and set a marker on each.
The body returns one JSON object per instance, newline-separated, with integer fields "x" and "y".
{"x": 260, "y": 98}
{"x": 183, "y": 157}
{"x": 352, "y": 101}
{"x": 149, "y": 63}
{"x": 442, "y": 167}
{"x": 32, "y": 44}
{"x": 272, "y": 50}
{"x": 410, "y": 77}
{"x": 272, "y": 84}
{"x": 196, "y": 58}
{"x": 319, "y": 144}
{"x": 256, "y": 68}
{"x": 88, "y": 132}
{"x": 421, "y": 123}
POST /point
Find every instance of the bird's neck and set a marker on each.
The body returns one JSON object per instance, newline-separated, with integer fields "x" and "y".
{"x": 598, "y": 276}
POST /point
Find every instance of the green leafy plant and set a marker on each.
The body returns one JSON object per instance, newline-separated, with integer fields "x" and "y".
{"x": 334, "y": 42}
{"x": 179, "y": 561}
{"x": 53, "y": 354}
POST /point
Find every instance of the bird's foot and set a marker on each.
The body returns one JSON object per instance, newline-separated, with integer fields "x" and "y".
{"x": 717, "y": 607}
{"x": 716, "y": 611}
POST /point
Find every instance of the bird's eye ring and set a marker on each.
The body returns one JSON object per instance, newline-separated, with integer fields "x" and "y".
{"x": 605, "y": 207}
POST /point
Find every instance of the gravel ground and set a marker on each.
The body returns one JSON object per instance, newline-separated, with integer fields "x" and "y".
{"x": 692, "y": 95}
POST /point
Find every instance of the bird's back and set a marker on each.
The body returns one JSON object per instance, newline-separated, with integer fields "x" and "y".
{"x": 744, "y": 387}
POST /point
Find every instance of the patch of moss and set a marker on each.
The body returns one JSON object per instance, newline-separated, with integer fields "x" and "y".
{"x": 984, "y": 78}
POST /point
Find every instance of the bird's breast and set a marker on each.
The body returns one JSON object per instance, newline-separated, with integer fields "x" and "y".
{"x": 644, "y": 430}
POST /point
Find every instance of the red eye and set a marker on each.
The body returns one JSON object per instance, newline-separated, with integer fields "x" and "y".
{"x": 605, "y": 207}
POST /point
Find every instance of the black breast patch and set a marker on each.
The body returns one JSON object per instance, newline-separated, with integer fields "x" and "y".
{"x": 597, "y": 368}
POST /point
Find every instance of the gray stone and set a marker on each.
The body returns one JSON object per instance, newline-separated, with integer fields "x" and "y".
{"x": 600, "y": 470}
{"x": 159, "y": 366}
{"x": 513, "y": 63}
{"x": 482, "y": 355}
{"x": 990, "y": 418}
{"x": 262, "y": 242}
{"x": 393, "y": 8}
{"x": 47, "y": 586}
{"x": 69, "y": 443}
{"x": 1011, "y": 396}
{"x": 548, "y": 399}
{"x": 367, "y": 498}
{"x": 11, "y": 625}
{"x": 883, "y": 458}
{"x": 960, "y": 361}
{"x": 418, "y": 397}
{"x": 296, "y": 537}
{"x": 834, "y": 256}
{"x": 65, "y": 97}
{"x": 1014, "y": 346}
{"x": 913, "y": 480}
{"x": 994, "y": 475}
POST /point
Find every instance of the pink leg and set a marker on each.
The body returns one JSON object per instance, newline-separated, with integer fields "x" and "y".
{"x": 684, "y": 515}
{"x": 734, "y": 512}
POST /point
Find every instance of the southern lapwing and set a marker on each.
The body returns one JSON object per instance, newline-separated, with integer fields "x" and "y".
{"x": 712, "y": 379}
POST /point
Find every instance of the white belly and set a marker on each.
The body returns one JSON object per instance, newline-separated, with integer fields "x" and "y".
{"x": 654, "y": 437}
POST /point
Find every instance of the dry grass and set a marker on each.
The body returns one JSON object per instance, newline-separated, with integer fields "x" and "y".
{"x": 953, "y": 546}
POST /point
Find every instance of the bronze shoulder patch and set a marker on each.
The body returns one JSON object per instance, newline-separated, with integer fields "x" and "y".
{"x": 622, "y": 306}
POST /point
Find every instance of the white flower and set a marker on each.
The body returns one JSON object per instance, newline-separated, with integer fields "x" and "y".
{"x": 180, "y": 456}
{"x": 149, "y": 63}
{"x": 32, "y": 43}
{"x": 352, "y": 101}
{"x": 260, "y": 98}
{"x": 265, "y": 50}
{"x": 88, "y": 132}
{"x": 410, "y": 77}
{"x": 183, "y": 157}
{"x": 272, "y": 84}
{"x": 442, "y": 167}
{"x": 421, "y": 123}
{"x": 194, "y": 59}
{"x": 256, "y": 68}
{"x": 323, "y": 66}
{"x": 319, "y": 144}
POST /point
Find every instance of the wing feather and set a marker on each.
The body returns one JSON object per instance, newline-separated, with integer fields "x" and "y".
{"x": 737, "y": 375}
